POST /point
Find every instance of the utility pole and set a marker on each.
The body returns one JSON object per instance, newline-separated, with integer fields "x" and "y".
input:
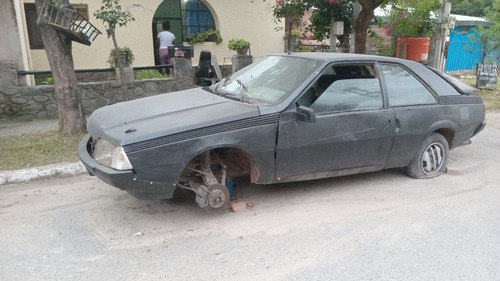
{"x": 355, "y": 13}
{"x": 442, "y": 22}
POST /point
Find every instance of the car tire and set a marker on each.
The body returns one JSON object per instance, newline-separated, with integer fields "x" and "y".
{"x": 431, "y": 159}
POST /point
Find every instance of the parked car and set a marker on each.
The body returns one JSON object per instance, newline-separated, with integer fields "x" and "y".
{"x": 288, "y": 117}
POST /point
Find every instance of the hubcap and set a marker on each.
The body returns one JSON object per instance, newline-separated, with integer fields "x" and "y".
{"x": 433, "y": 158}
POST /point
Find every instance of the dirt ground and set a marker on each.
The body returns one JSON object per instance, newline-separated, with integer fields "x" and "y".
{"x": 374, "y": 226}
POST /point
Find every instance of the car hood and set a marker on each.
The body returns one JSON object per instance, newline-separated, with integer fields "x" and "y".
{"x": 146, "y": 118}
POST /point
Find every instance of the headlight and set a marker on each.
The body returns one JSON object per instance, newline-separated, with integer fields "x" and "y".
{"x": 110, "y": 155}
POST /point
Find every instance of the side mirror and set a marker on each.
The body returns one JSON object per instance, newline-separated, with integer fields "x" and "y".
{"x": 305, "y": 114}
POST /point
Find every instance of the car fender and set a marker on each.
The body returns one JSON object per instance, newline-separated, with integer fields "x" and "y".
{"x": 446, "y": 128}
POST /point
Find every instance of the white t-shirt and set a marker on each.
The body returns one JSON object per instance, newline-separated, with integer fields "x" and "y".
{"x": 166, "y": 39}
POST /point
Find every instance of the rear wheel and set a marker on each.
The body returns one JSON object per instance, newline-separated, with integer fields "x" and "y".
{"x": 430, "y": 160}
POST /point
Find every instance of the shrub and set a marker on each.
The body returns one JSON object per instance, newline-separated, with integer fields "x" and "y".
{"x": 149, "y": 74}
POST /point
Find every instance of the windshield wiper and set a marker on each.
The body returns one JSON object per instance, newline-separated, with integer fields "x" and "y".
{"x": 222, "y": 82}
{"x": 242, "y": 87}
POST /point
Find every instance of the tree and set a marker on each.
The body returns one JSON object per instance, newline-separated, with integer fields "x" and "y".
{"x": 59, "y": 53}
{"x": 112, "y": 15}
{"x": 362, "y": 23}
{"x": 475, "y": 8}
{"x": 294, "y": 10}
{"x": 325, "y": 14}
{"x": 489, "y": 37}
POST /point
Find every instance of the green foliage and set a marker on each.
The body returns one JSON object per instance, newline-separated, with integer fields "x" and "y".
{"x": 383, "y": 48}
{"x": 111, "y": 14}
{"x": 43, "y": 79}
{"x": 296, "y": 33}
{"x": 322, "y": 16}
{"x": 149, "y": 74}
{"x": 290, "y": 9}
{"x": 210, "y": 35}
{"x": 57, "y": 3}
{"x": 489, "y": 37}
{"x": 413, "y": 21}
{"x": 475, "y": 8}
{"x": 238, "y": 44}
{"x": 126, "y": 55}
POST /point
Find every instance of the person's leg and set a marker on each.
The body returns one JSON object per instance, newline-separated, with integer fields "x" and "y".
{"x": 164, "y": 59}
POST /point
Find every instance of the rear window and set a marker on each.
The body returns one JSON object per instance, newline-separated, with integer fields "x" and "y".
{"x": 458, "y": 84}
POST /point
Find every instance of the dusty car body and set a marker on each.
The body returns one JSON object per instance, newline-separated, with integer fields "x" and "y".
{"x": 288, "y": 117}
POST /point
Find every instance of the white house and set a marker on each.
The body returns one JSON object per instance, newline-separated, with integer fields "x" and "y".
{"x": 251, "y": 20}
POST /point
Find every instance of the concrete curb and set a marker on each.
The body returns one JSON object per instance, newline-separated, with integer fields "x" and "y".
{"x": 54, "y": 170}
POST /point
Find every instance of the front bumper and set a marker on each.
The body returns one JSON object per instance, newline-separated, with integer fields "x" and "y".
{"x": 125, "y": 180}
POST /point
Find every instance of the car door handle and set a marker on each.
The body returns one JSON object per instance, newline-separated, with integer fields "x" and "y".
{"x": 396, "y": 130}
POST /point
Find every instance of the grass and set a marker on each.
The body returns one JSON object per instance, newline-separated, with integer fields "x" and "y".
{"x": 19, "y": 152}
{"x": 491, "y": 98}
{"x": 33, "y": 150}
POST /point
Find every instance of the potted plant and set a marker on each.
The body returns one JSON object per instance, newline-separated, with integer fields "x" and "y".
{"x": 241, "y": 46}
{"x": 210, "y": 35}
{"x": 127, "y": 58}
{"x": 126, "y": 55}
{"x": 293, "y": 39}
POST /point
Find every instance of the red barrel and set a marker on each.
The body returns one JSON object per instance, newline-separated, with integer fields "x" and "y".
{"x": 413, "y": 48}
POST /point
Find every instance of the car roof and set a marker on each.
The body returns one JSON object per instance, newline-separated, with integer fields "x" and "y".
{"x": 325, "y": 56}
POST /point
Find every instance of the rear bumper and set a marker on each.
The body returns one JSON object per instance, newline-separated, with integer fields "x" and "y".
{"x": 480, "y": 128}
{"x": 125, "y": 180}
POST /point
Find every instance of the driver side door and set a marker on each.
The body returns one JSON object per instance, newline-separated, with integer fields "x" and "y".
{"x": 353, "y": 131}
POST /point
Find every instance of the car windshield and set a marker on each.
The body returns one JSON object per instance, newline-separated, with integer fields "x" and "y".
{"x": 266, "y": 81}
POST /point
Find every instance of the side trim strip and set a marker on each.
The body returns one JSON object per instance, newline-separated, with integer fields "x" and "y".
{"x": 197, "y": 133}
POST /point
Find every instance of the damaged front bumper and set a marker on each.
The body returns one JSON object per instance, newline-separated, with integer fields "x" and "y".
{"x": 125, "y": 180}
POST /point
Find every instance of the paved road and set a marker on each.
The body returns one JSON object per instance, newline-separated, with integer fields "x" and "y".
{"x": 376, "y": 226}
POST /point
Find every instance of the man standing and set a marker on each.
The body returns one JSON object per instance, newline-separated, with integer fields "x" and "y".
{"x": 163, "y": 40}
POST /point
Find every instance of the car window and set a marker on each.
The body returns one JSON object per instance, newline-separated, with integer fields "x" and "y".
{"x": 344, "y": 88}
{"x": 403, "y": 88}
{"x": 458, "y": 84}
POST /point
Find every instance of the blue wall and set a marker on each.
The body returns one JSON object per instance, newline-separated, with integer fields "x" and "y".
{"x": 463, "y": 52}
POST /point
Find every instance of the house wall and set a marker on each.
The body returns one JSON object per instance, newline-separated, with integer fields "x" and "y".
{"x": 10, "y": 43}
{"x": 463, "y": 53}
{"x": 245, "y": 19}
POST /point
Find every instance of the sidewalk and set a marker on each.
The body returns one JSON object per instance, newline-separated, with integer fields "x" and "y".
{"x": 24, "y": 175}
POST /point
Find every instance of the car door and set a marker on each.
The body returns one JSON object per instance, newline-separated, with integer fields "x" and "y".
{"x": 415, "y": 108}
{"x": 353, "y": 131}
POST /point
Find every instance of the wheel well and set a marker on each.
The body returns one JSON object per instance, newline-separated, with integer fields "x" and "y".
{"x": 238, "y": 162}
{"x": 448, "y": 134}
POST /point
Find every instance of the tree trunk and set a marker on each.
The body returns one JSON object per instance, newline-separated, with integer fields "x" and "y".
{"x": 363, "y": 22}
{"x": 118, "y": 61}
{"x": 58, "y": 49}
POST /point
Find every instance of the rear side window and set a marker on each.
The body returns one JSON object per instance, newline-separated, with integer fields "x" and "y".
{"x": 403, "y": 88}
{"x": 456, "y": 83}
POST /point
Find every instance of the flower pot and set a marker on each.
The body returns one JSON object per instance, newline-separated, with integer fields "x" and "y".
{"x": 242, "y": 51}
{"x": 413, "y": 48}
